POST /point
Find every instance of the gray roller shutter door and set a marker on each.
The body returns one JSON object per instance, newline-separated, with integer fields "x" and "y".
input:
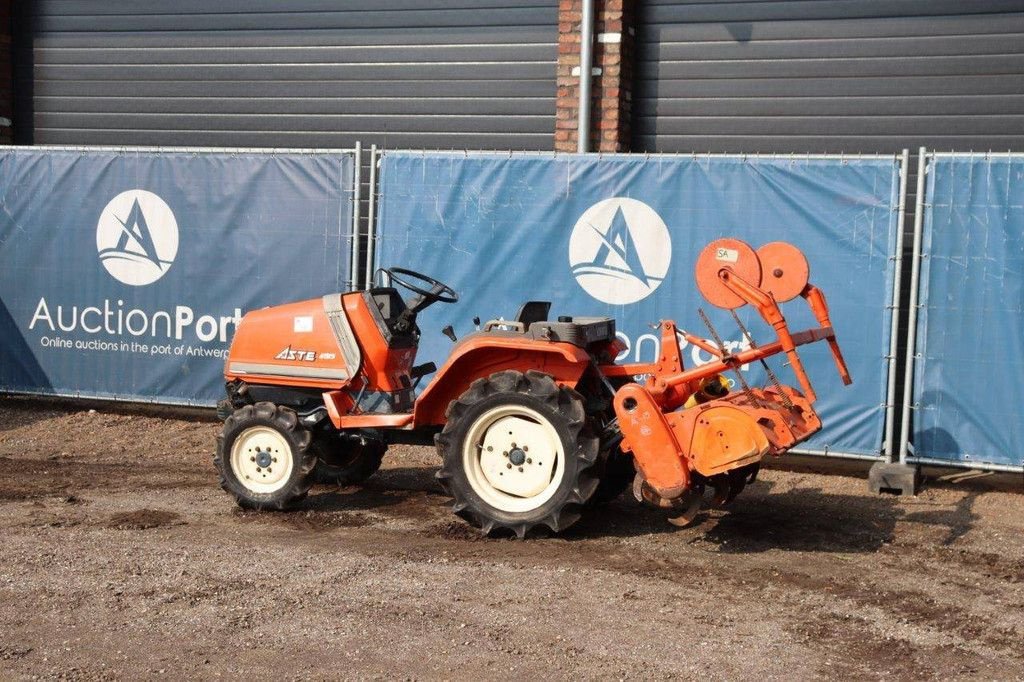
{"x": 829, "y": 75}
{"x": 304, "y": 73}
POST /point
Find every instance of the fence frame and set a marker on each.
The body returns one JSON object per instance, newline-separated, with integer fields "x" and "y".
{"x": 229, "y": 151}
{"x": 906, "y": 447}
{"x": 887, "y": 448}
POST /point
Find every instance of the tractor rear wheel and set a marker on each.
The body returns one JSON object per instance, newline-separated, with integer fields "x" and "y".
{"x": 517, "y": 455}
{"x": 264, "y": 457}
{"x": 346, "y": 460}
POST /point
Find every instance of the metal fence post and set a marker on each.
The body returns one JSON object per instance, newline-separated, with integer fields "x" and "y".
{"x": 357, "y": 190}
{"x": 371, "y": 214}
{"x": 915, "y": 276}
{"x": 890, "y": 390}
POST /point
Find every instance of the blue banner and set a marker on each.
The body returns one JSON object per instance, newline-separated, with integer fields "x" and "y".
{"x": 968, "y": 381}
{"x": 124, "y": 274}
{"x": 619, "y": 236}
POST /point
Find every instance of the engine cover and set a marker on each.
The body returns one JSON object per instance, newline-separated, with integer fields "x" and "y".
{"x": 309, "y": 343}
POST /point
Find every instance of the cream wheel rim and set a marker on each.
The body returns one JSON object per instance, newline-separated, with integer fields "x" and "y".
{"x": 513, "y": 458}
{"x": 261, "y": 459}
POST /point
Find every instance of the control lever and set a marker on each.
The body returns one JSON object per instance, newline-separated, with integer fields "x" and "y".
{"x": 449, "y": 331}
{"x": 420, "y": 371}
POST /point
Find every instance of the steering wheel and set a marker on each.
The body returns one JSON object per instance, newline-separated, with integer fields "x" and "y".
{"x": 439, "y": 291}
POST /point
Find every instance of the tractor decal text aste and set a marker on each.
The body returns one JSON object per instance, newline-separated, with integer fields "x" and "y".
{"x": 301, "y": 355}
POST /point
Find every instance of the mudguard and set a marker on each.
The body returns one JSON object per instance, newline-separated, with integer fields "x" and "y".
{"x": 481, "y": 355}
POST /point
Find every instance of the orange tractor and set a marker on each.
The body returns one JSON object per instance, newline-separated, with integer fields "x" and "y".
{"x": 533, "y": 418}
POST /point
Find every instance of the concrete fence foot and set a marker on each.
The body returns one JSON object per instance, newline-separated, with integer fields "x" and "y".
{"x": 894, "y": 478}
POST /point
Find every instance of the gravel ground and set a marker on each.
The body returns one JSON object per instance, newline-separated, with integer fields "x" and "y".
{"x": 123, "y": 559}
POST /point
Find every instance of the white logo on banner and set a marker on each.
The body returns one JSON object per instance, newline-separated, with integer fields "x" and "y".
{"x": 620, "y": 250}
{"x": 137, "y": 237}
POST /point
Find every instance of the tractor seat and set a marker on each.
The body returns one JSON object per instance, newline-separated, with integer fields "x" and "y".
{"x": 579, "y": 331}
{"x": 533, "y": 311}
{"x": 531, "y": 321}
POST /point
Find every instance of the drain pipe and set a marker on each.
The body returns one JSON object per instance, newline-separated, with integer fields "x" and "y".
{"x": 586, "y": 76}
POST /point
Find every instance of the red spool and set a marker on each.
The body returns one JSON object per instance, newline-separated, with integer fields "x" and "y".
{"x": 785, "y": 271}
{"x": 731, "y": 254}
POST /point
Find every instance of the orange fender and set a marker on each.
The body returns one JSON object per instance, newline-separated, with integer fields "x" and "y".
{"x": 481, "y": 355}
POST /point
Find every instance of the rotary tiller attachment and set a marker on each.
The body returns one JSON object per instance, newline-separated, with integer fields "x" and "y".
{"x": 687, "y": 431}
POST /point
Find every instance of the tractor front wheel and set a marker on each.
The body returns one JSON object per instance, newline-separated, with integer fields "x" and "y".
{"x": 516, "y": 453}
{"x": 264, "y": 457}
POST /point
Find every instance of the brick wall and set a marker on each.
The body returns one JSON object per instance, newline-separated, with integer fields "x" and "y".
{"x": 611, "y": 87}
{"x": 6, "y": 79}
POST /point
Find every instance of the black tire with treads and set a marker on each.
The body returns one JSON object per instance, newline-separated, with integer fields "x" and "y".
{"x": 344, "y": 462}
{"x": 299, "y": 440}
{"x": 563, "y": 409}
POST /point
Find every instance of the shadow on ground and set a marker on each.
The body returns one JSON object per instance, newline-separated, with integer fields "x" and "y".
{"x": 801, "y": 519}
{"x": 805, "y": 519}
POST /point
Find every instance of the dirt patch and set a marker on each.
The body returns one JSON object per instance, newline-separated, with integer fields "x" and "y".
{"x": 990, "y": 564}
{"x": 311, "y": 521}
{"x": 143, "y": 519}
{"x": 862, "y": 654}
{"x": 806, "y": 577}
{"x": 454, "y": 530}
{"x": 9, "y": 653}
